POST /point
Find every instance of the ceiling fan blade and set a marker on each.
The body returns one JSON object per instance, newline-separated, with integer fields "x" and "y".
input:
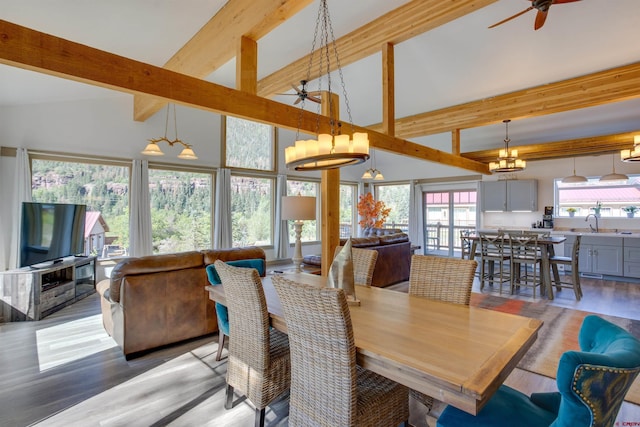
{"x": 314, "y": 93}
{"x": 541, "y": 17}
{"x": 296, "y": 89}
{"x": 314, "y": 99}
{"x": 297, "y": 101}
{"x": 288, "y": 94}
{"x": 563, "y": 1}
{"x": 512, "y": 17}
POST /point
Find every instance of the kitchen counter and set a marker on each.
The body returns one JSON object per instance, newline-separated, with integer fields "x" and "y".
{"x": 634, "y": 234}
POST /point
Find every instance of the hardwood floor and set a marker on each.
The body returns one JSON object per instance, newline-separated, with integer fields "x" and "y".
{"x": 66, "y": 371}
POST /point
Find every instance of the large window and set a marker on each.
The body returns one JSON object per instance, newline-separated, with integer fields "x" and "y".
{"x": 310, "y": 230}
{"x": 249, "y": 145}
{"x": 251, "y": 211}
{"x": 583, "y": 198}
{"x": 104, "y": 188}
{"x": 180, "y": 210}
{"x": 348, "y": 217}
{"x": 395, "y": 197}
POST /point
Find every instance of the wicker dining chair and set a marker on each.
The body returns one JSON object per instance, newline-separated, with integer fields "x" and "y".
{"x": 328, "y": 388}
{"x": 442, "y": 279}
{"x": 258, "y": 362}
{"x": 364, "y": 262}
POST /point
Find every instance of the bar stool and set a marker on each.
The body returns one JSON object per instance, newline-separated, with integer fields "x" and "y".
{"x": 525, "y": 252}
{"x": 572, "y": 262}
{"x": 492, "y": 250}
{"x": 466, "y": 244}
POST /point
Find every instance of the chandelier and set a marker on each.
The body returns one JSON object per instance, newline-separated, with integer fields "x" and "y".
{"x": 372, "y": 172}
{"x": 507, "y": 159}
{"x": 332, "y": 150}
{"x": 634, "y": 154}
{"x": 152, "y": 148}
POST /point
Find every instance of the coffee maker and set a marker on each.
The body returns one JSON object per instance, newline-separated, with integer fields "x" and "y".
{"x": 547, "y": 218}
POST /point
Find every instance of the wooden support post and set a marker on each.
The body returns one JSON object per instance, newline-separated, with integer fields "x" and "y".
{"x": 388, "y": 90}
{"x": 247, "y": 66}
{"x": 330, "y": 194}
{"x": 455, "y": 142}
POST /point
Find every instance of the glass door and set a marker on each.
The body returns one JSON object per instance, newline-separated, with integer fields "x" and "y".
{"x": 445, "y": 214}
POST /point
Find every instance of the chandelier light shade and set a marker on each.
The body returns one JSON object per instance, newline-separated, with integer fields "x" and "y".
{"x": 614, "y": 176}
{"x": 507, "y": 160}
{"x": 152, "y": 148}
{"x": 331, "y": 150}
{"x": 632, "y": 155}
{"x": 574, "y": 179}
{"x": 298, "y": 208}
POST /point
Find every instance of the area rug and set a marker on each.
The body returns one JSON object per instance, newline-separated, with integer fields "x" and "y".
{"x": 558, "y": 334}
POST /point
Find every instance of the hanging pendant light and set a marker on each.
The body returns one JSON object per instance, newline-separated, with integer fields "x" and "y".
{"x": 372, "y": 172}
{"x": 152, "y": 148}
{"x": 613, "y": 176}
{"x": 574, "y": 179}
{"x": 507, "y": 159}
{"x": 331, "y": 150}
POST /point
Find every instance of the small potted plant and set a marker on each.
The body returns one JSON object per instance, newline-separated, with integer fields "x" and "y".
{"x": 572, "y": 212}
{"x": 596, "y": 210}
{"x": 630, "y": 210}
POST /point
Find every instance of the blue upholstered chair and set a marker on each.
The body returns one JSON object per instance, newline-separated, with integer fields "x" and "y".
{"x": 592, "y": 384}
{"x": 221, "y": 310}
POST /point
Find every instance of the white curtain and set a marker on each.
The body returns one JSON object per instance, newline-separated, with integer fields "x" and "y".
{"x": 415, "y": 214}
{"x": 140, "y": 240}
{"x": 281, "y": 231}
{"x": 360, "y": 193}
{"x": 222, "y": 219}
{"x": 22, "y": 193}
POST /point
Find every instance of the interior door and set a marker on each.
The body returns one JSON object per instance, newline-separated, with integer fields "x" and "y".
{"x": 445, "y": 214}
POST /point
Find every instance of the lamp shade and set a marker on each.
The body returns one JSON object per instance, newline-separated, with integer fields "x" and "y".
{"x": 298, "y": 208}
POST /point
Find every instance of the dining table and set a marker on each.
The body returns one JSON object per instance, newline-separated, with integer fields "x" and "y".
{"x": 455, "y": 353}
{"x": 547, "y": 251}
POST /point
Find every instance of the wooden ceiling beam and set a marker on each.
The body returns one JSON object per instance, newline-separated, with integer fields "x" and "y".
{"x": 613, "y": 85}
{"x": 595, "y": 145}
{"x": 33, "y": 50}
{"x": 407, "y": 21}
{"x": 215, "y": 43}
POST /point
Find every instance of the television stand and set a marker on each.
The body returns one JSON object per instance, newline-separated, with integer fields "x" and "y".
{"x": 32, "y": 294}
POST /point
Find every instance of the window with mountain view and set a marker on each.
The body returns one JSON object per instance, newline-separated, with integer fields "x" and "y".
{"x": 251, "y": 211}
{"x": 104, "y": 188}
{"x": 249, "y": 145}
{"x": 181, "y": 213}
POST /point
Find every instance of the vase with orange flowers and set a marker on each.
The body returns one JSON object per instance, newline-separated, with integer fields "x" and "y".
{"x": 373, "y": 212}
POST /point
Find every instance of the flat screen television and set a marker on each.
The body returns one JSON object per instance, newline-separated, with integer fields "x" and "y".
{"x": 50, "y": 232}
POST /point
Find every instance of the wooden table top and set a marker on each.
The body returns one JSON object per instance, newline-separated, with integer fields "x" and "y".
{"x": 457, "y": 354}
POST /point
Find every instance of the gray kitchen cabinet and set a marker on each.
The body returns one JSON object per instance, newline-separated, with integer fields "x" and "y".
{"x": 511, "y": 195}
{"x": 599, "y": 254}
{"x": 632, "y": 257}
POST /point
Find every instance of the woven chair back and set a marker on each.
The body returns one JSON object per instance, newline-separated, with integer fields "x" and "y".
{"x": 441, "y": 278}
{"x": 364, "y": 262}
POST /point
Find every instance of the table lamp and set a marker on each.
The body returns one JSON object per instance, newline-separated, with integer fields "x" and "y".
{"x": 298, "y": 208}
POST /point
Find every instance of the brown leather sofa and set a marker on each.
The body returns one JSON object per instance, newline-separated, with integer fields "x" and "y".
{"x": 394, "y": 254}
{"x": 157, "y": 300}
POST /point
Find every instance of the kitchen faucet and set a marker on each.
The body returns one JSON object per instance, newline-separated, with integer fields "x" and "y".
{"x": 593, "y": 230}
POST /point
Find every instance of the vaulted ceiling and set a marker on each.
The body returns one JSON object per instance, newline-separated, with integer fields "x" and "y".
{"x": 572, "y": 87}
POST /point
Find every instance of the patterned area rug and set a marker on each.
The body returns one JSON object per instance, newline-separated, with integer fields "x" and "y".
{"x": 558, "y": 334}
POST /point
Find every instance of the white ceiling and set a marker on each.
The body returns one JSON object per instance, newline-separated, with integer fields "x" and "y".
{"x": 459, "y": 62}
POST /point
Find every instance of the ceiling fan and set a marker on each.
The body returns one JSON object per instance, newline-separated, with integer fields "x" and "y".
{"x": 543, "y": 8}
{"x": 302, "y": 93}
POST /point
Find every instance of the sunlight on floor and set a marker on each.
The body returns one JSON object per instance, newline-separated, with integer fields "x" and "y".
{"x": 71, "y": 341}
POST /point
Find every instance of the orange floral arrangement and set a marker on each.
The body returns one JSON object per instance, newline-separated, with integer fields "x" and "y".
{"x": 374, "y": 213}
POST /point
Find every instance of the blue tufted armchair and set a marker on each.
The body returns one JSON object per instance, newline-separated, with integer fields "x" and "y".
{"x": 221, "y": 310}
{"x": 592, "y": 384}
